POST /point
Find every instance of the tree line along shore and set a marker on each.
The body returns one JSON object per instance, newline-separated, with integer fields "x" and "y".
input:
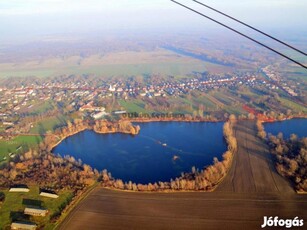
{"x": 49, "y": 171}
{"x": 290, "y": 156}
{"x": 21, "y": 168}
{"x": 205, "y": 179}
{"x": 42, "y": 167}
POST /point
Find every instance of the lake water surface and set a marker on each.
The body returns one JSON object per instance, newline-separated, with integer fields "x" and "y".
{"x": 294, "y": 126}
{"x": 160, "y": 152}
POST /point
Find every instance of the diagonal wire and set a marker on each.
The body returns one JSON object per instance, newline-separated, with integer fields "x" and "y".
{"x": 236, "y": 31}
{"x": 251, "y": 27}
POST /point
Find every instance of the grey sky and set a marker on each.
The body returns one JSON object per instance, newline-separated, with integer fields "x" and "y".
{"x": 26, "y": 17}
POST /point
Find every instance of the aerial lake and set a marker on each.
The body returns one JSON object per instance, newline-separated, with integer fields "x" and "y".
{"x": 294, "y": 126}
{"x": 161, "y": 151}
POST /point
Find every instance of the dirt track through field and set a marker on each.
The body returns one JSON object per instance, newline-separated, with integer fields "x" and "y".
{"x": 253, "y": 168}
{"x": 251, "y": 190}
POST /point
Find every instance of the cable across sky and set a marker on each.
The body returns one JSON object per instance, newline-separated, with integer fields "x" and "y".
{"x": 251, "y": 27}
{"x": 244, "y": 35}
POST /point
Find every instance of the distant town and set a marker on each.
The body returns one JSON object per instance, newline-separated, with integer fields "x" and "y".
{"x": 19, "y": 101}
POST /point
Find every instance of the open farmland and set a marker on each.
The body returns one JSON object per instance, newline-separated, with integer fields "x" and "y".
{"x": 115, "y": 63}
{"x": 116, "y": 210}
{"x": 251, "y": 190}
{"x": 253, "y": 169}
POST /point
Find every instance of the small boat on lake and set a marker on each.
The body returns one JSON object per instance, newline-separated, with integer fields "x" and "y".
{"x": 175, "y": 157}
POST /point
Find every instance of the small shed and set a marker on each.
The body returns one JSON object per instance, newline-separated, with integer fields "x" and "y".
{"x": 35, "y": 211}
{"x": 23, "y": 226}
{"x": 19, "y": 189}
{"x": 49, "y": 194}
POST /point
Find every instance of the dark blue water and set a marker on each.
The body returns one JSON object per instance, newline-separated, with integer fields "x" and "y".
{"x": 143, "y": 158}
{"x": 288, "y": 127}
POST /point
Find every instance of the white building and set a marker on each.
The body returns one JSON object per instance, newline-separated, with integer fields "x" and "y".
{"x": 19, "y": 190}
{"x": 26, "y": 226}
{"x": 35, "y": 211}
{"x": 120, "y": 112}
{"x": 99, "y": 115}
{"x": 50, "y": 195}
{"x": 111, "y": 88}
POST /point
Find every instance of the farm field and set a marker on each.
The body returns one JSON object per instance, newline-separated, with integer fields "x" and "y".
{"x": 253, "y": 168}
{"x": 116, "y": 63}
{"x": 293, "y": 105}
{"x": 251, "y": 190}
{"x": 118, "y": 210}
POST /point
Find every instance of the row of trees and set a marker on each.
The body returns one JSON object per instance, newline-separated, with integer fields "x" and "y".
{"x": 205, "y": 180}
{"x": 48, "y": 171}
{"x": 122, "y": 126}
{"x": 261, "y": 131}
{"x": 291, "y": 158}
{"x": 78, "y": 125}
{"x": 51, "y": 171}
{"x": 290, "y": 155}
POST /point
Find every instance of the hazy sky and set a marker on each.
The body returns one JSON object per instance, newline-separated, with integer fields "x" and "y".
{"x": 26, "y": 7}
{"x": 23, "y": 18}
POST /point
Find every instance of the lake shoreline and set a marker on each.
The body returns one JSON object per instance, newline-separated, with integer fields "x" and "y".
{"x": 284, "y": 119}
{"x": 185, "y": 121}
{"x": 92, "y": 128}
{"x": 149, "y": 120}
{"x": 287, "y": 127}
{"x": 154, "y": 137}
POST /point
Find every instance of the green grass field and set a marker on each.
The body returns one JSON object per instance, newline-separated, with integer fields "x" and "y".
{"x": 15, "y": 203}
{"x": 126, "y": 63}
{"x": 133, "y": 106}
{"x": 292, "y": 105}
{"x": 234, "y": 110}
{"x": 295, "y": 55}
{"x": 177, "y": 69}
{"x": 223, "y": 98}
{"x": 206, "y": 102}
{"x": 21, "y": 143}
{"x": 48, "y": 124}
{"x": 27, "y": 73}
{"x": 43, "y": 107}
{"x": 17, "y": 145}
